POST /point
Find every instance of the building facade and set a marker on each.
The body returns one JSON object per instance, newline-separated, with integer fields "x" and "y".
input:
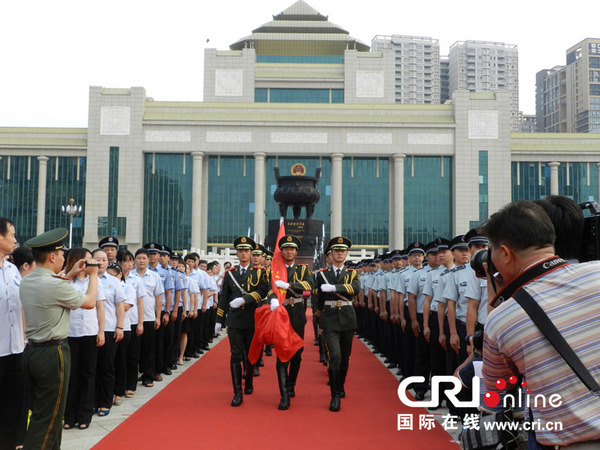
{"x": 198, "y": 174}
{"x": 568, "y": 97}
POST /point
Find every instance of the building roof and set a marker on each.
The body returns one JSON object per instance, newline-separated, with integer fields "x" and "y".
{"x": 299, "y": 30}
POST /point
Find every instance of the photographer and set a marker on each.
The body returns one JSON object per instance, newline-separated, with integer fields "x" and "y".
{"x": 521, "y": 244}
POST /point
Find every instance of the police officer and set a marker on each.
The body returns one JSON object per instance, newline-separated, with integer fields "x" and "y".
{"x": 110, "y": 245}
{"x": 244, "y": 287}
{"x": 299, "y": 285}
{"x": 335, "y": 287}
{"x": 47, "y": 299}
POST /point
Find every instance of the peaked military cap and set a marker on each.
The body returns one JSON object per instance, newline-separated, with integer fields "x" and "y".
{"x": 259, "y": 249}
{"x": 153, "y": 247}
{"x": 109, "y": 241}
{"x": 164, "y": 250}
{"x": 244, "y": 243}
{"x": 49, "y": 241}
{"x": 476, "y": 238}
{"x": 415, "y": 247}
{"x": 431, "y": 247}
{"x": 339, "y": 243}
{"x": 458, "y": 242}
{"x": 269, "y": 254}
{"x": 442, "y": 243}
{"x": 290, "y": 241}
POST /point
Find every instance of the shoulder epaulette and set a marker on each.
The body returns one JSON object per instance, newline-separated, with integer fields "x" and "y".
{"x": 61, "y": 277}
{"x": 456, "y": 269}
{"x": 350, "y": 270}
{"x": 231, "y": 268}
{"x": 321, "y": 270}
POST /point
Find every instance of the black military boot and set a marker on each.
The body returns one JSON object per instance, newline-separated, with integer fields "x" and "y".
{"x": 334, "y": 382}
{"x": 283, "y": 386}
{"x": 248, "y": 386}
{"x": 236, "y": 377}
{"x": 268, "y": 350}
{"x": 343, "y": 373}
{"x": 293, "y": 376}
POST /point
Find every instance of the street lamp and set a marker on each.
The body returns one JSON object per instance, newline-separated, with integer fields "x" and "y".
{"x": 71, "y": 210}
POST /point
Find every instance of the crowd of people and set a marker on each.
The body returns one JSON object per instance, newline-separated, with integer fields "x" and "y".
{"x": 111, "y": 319}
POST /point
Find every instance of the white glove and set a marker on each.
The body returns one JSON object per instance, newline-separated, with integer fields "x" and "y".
{"x": 274, "y": 304}
{"x": 236, "y": 302}
{"x": 282, "y": 284}
{"x": 218, "y": 328}
{"x": 328, "y": 287}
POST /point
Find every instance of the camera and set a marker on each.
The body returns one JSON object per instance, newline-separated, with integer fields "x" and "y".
{"x": 92, "y": 264}
{"x": 482, "y": 256}
{"x": 590, "y": 243}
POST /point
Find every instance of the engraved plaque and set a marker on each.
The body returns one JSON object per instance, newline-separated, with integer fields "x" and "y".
{"x": 369, "y": 84}
{"x": 483, "y": 124}
{"x": 115, "y": 120}
{"x": 229, "y": 83}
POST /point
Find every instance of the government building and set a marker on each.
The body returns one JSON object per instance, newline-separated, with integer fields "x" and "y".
{"x": 297, "y": 90}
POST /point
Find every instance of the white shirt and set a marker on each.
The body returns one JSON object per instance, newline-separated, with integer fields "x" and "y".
{"x": 139, "y": 291}
{"x": 84, "y": 322}
{"x": 113, "y": 293}
{"x": 154, "y": 287}
{"x": 131, "y": 299}
{"x": 11, "y": 319}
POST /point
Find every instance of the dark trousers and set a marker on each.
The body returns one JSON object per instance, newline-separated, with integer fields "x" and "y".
{"x": 422, "y": 358}
{"x": 161, "y": 343}
{"x": 339, "y": 347}
{"x": 408, "y": 350}
{"x": 105, "y": 371}
{"x": 175, "y": 330}
{"x": 82, "y": 380}
{"x": 461, "y": 329}
{"x": 147, "y": 352}
{"x": 47, "y": 371}
{"x": 121, "y": 364}
{"x": 13, "y": 418}
{"x": 133, "y": 359}
{"x": 436, "y": 351}
{"x": 239, "y": 343}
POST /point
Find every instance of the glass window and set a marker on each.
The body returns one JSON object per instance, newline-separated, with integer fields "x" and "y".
{"x": 230, "y": 193}
{"x": 300, "y": 59}
{"x": 299, "y": 95}
{"x": 261, "y": 95}
{"x": 61, "y": 185}
{"x": 526, "y": 181}
{"x": 168, "y": 199}
{"x": 578, "y": 188}
{"x": 427, "y": 198}
{"x": 365, "y": 200}
{"x": 19, "y": 194}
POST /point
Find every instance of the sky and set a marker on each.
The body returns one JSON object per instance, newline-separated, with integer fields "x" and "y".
{"x": 51, "y": 52}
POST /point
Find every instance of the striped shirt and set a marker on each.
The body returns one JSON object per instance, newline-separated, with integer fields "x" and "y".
{"x": 570, "y": 296}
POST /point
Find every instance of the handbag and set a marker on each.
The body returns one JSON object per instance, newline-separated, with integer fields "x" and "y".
{"x": 489, "y": 437}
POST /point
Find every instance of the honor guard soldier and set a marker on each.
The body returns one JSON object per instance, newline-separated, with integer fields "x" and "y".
{"x": 243, "y": 288}
{"x": 335, "y": 288}
{"x": 47, "y": 299}
{"x": 110, "y": 245}
{"x": 299, "y": 285}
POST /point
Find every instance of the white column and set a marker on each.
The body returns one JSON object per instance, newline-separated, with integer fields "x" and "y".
{"x": 41, "y": 206}
{"x": 260, "y": 186}
{"x": 197, "y": 195}
{"x": 554, "y": 177}
{"x": 391, "y": 203}
{"x": 336, "y": 194}
{"x": 205, "y": 194}
{"x": 398, "y": 210}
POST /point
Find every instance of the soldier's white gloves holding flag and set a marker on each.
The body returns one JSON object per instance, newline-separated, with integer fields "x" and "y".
{"x": 282, "y": 284}
{"x": 274, "y": 302}
{"x": 328, "y": 287}
{"x": 236, "y": 302}
{"x": 218, "y": 328}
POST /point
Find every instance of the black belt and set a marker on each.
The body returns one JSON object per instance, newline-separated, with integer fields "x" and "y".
{"x": 48, "y": 343}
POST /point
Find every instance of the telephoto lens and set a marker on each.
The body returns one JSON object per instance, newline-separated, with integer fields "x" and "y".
{"x": 482, "y": 256}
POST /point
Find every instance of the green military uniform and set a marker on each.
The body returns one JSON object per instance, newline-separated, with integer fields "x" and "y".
{"x": 47, "y": 300}
{"x": 337, "y": 318}
{"x": 301, "y": 284}
{"x": 252, "y": 286}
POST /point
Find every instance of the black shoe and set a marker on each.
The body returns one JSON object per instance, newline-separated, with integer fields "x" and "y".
{"x": 291, "y": 392}
{"x": 386, "y": 361}
{"x": 196, "y": 355}
{"x": 205, "y": 348}
{"x": 174, "y": 367}
{"x": 260, "y": 363}
{"x": 237, "y": 400}
{"x": 168, "y": 371}
{"x": 268, "y": 351}
{"x": 248, "y": 390}
{"x": 419, "y": 396}
{"x": 391, "y": 366}
{"x": 256, "y": 371}
{"x": 335, "y": 404}
{"x": 342, "y": 394}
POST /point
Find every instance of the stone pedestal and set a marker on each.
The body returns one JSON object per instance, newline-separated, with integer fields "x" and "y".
{"x": 309, "y": 231}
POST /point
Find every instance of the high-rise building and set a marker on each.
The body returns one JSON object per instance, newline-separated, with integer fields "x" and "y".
{"x": 481, "y": 66}
{"x": 568, "y": 97}
{"x": 444, "y": 79}
{"x": 417, "y": 67}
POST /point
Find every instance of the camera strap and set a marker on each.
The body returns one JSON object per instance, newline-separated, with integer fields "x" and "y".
{"x": 533, "y": 273}
{"x": 545, "y": 325}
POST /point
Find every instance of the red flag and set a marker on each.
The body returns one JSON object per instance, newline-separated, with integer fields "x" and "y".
{"x": 278, "y": 269}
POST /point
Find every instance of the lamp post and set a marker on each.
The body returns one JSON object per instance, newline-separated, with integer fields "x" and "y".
{"x": 71, "y": 210}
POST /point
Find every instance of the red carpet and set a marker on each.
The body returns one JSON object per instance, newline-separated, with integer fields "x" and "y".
{"x": 194, "y": 411}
